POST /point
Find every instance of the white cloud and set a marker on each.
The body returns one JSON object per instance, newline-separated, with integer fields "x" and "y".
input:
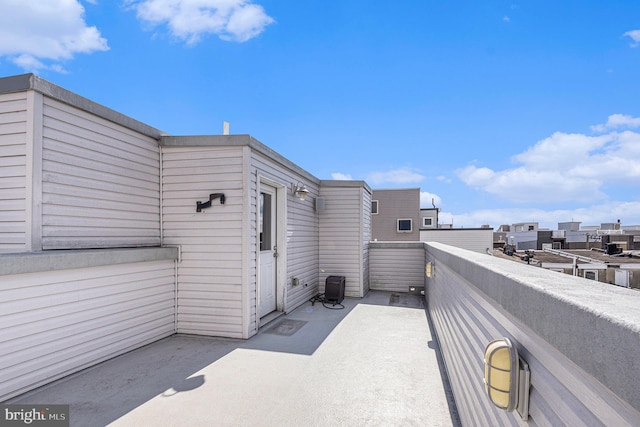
{"x": 635, "y": 36}
{"x": 506, "y": 19}
{"x": 39, "y": 34}
{"x": 396, "y": 176}
{"x": 627, "y": 212}
{"x": 427, "y": 200}
{"x": 616, "y": 121}
{"x": 190, "y": 20}
{"x": 341, "y": 176}
{"x": 563, "y": 168}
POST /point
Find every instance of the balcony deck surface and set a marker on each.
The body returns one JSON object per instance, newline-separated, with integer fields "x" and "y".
{"x": 374, "y": 363}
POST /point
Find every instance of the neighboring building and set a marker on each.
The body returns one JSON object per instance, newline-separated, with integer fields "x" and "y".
{"x": 392, "y": 207}
{"x": 500, "y": 236}
{"x": 395, "y": 215}
{"x": 569, "y": 235}
{"x": 429, "y": 218}
{"x": 621, "y": 270}
{"x": 522, "y": 227}
{"x": 523, "y": 235}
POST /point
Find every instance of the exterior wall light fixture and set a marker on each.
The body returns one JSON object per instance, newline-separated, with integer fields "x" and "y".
{"x": 300, "y": 190}
{"x": 428, "y": 269}
{"x": 507, "y": 378}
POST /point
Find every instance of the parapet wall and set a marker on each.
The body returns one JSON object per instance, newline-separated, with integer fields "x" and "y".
{"x": 396, "y": 266}
{"x": 63, "y": 311}
{"x": 581, "y": 338}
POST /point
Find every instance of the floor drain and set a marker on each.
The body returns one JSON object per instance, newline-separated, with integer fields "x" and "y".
{"x": 406, "y": 300}
{"x": 286, "y": 327}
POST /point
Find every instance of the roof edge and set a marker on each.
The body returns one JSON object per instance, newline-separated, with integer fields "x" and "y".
{"x": 24, "y": 82}
{"x": 345, "y": 183}
{"x": 16, "y": 83}
{"x": 240, "y": 140}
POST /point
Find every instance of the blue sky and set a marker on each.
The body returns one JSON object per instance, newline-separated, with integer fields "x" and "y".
{"x": 501, "y": 112}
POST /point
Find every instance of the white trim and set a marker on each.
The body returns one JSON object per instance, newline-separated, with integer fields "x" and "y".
{"x": 377, "y": 203}
{"x": 398, "y": 225}
{"x": 245, "y": 239}
{"x": 281, "y": 232}
{"x": 282, "y": 193}
{"x": 33, "y": 193}
{"x": 595, "y": 272}
{"x": 161, "y": 156}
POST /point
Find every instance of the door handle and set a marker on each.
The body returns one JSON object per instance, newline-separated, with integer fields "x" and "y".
{"x": 275, "y": 251}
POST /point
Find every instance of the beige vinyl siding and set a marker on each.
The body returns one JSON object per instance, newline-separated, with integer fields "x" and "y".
{"x": 301, "y": 230}
{"x": 210, "y": 274}
{"x": 101, "y": 182}
{"x": 466, "y": 319}
{"x": 13, "y": 172}
{"x": 59, "y": 322}
{"x": 396, "y": 266}
{"x": 341, "y": 237}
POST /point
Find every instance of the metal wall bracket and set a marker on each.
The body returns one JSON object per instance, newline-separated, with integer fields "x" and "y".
{"x": 524, "y": 386}
{"x": 205, "y": 205}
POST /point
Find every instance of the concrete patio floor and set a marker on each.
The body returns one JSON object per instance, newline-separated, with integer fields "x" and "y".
{"x": 373, "y": 363}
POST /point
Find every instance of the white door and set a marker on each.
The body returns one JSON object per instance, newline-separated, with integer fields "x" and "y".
{"x": 268, "y": 250}
{"x": 622, "y": 278}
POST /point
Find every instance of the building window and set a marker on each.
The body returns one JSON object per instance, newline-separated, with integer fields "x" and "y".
{"x": 405, "y": 225}
{"x": 591, "y": 274}
{"x": 427, "y": 222}
{"x": 531, "y": 228}
{"x": 374, "y": 207}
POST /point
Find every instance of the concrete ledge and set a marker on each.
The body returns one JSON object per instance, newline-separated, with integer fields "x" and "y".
{"x": 35, "y": 262}
{"x": 396, "y": 245}
{"x": 596, "y": 325}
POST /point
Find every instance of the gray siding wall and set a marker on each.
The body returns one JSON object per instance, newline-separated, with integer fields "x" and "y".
{"x": 579, "y": 337}
{"x": 213, "y": 257}
{"x": 100, "y": 183}
{"x": 55, "y": 323}
{"x": 13, "y": 172}
{"x": 479, "y": 241}
{"x": 523, "y": 239}
{"x": 394, "y": 204}
{"x": 396, "y": 266}
{"x": 301, "y": 231}
{"x": 342, "y": 236}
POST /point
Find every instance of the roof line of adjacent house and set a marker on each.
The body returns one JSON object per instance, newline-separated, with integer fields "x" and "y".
{"x": 24, "y": 82}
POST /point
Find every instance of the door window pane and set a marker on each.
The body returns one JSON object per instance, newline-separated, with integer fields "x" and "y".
{"x": 265, "y": 222}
